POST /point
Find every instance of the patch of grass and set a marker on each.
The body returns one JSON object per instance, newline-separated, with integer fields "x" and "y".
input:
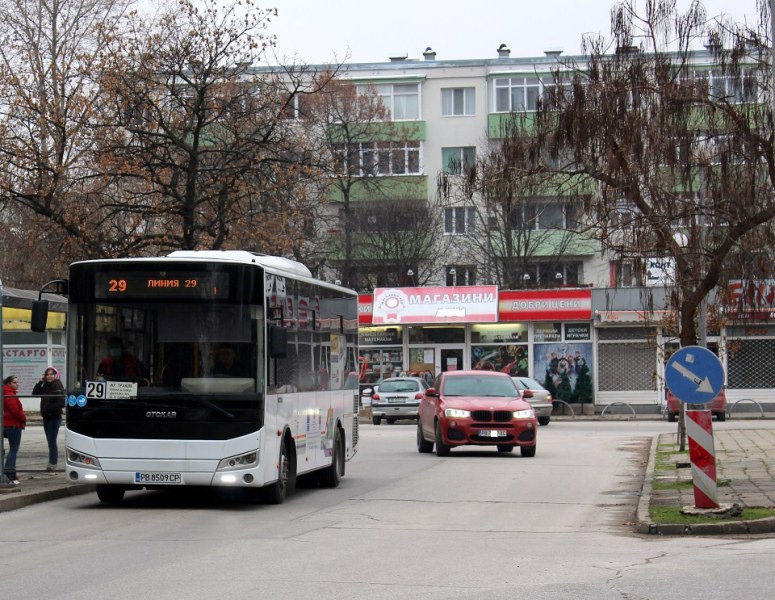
{"x": 682, "y": 484}
{"x": 673, "y": 515}
{"x": 672, "y": 485}
{"x": 665, "y": 459}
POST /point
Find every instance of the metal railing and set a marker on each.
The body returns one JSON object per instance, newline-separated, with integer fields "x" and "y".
{"x": 627, "y": 404}
{"x": 731, "y": 408}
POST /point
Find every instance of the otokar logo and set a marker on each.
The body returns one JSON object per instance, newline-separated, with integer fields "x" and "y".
{"x": 161, "y": 414}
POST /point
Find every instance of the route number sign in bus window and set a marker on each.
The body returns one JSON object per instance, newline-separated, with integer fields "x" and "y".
{"x": 153, "y": 284}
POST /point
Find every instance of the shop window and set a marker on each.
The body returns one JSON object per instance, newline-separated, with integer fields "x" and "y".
{"x": 504, "y": 358}
{"x": 498, "y": 333}
{"x": 437, "y": 335}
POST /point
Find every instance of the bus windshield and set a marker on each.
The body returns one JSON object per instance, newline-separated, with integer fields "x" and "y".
{"x": 167, "y": 347}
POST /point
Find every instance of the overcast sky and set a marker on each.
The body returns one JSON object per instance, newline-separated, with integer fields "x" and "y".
{"x": 320, "y": 31}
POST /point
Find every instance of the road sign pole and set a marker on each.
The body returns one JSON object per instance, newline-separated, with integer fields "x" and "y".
{"x": 702, "y": 455}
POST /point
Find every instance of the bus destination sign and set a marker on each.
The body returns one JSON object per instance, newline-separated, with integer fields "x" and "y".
{"x": 161, "y": 284}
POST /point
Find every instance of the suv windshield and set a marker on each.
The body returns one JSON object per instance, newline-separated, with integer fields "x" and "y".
{"x": 480, "y": 386}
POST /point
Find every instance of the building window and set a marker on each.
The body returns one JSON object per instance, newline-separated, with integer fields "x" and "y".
{"x": 545, "y": 214}
{"x": 460, "y": 275}
{"x": 458, "y": 102}
{"x": 550, "y": 275}
{"x": 460, "y": 220}
{"x": 456, "y": 161}
{"x": 736, "y": 90}
{"x": 383, "y": 158}
{"x": 625, "y": 273}
{"x": 558, "y": 275}
{"x": 517, "y": 94}
{"x": 402, "y": 100}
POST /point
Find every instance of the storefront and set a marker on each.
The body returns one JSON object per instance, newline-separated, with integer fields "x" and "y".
{"x": 544, "y": 334}
{"x": 26, "y": 353}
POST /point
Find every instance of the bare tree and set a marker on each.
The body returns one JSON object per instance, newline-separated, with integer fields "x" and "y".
{"x": 207, "y": 151}
{"x": 360, "y": 147}
{"x": 48, "y": 51}
{"x": 677, "y": 151}
{"x": 397, "y": 243}
{"x": 525, "y": 223}
{"x": 679, "y": 157}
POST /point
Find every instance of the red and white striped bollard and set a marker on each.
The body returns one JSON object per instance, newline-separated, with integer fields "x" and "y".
{"x": 702, "y": 454}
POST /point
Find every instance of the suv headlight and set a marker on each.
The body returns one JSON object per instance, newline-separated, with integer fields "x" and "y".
{"x": 456, "y": 413}
{"x": 524, "y": 414}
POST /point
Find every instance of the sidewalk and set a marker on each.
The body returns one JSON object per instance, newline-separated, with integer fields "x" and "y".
{"x": 35, "y": 484}
{"x": 745, "y": 465}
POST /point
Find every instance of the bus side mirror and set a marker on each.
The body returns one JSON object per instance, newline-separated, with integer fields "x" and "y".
{"x": 39, "y": 315}
{"x": 278, "y": 342}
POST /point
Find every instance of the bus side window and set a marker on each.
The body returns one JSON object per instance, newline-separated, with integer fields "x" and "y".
{"x": 278, "y": 342}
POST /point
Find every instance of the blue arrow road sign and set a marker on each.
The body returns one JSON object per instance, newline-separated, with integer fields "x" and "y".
{"x": 694, "y": 375}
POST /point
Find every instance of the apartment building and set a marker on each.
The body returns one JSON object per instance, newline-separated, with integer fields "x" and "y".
{"x": 454, "y": 108}
{"x": 576, "y": 314}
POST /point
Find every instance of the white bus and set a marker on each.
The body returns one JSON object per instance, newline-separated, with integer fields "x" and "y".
{"x": 208, "y": 368}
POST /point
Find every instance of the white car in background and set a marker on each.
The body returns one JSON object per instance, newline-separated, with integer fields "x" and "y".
{"x": 538, "y": 397}
{"x": 397, "y": 398}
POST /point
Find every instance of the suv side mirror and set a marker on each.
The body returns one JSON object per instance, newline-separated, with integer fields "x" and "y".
{"x": 431, "y": 391}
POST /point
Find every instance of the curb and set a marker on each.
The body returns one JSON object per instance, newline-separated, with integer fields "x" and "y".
{"x": 15, "y": 500}
{"x": 647, "y": 527}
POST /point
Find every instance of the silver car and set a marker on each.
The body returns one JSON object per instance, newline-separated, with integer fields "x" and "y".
{"x": 538, "y": 397}
{"x": 397, "y": 398}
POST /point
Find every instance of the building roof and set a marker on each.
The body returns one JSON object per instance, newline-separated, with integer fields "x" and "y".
{"x": 16, "y": 298}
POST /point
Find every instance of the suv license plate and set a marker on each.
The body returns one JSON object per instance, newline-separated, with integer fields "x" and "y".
{"x": 492, "y": 433}
{"x": 158, "y": 478}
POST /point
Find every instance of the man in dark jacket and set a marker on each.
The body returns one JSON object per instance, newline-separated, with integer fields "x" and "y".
{"x": 52, "y": 401}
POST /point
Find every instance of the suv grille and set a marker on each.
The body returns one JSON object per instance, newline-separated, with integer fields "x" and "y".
{"x": 486, "y": 416}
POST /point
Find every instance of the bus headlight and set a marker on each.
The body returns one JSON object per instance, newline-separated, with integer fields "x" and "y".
{"x": 241, "y": 461}
{"x": 82, "y": 460}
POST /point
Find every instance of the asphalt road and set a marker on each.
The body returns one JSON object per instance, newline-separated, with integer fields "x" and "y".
{"x": 401, "y": 525}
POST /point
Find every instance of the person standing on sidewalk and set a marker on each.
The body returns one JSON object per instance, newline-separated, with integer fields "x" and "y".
{"x": 14, "y": 421}
{"x": 52, "y": 401}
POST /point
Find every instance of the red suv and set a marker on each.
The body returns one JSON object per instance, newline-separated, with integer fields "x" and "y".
{"x": 480, "y": 408}
{"x": 717, "y": 406}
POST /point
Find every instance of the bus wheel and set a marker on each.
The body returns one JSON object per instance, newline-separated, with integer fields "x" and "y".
{"x": 331, "y": 476}
{"x": 275, "y": 493}
{"x": 110, "y": 494}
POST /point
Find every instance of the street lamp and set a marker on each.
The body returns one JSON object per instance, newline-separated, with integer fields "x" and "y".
{"x": 410, "y": 276}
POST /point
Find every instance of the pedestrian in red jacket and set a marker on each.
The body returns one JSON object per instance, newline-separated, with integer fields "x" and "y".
{"x": 14, "y": 421}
